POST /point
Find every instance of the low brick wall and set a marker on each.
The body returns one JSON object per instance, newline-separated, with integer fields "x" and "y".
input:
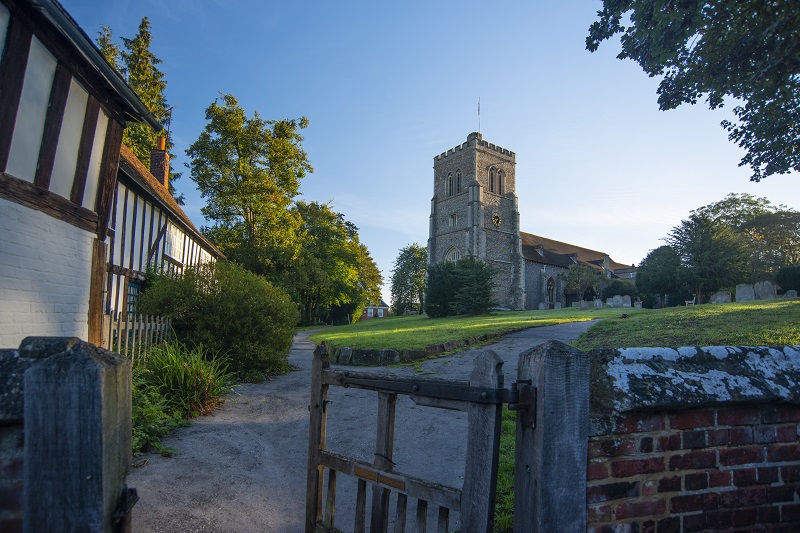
{"x": 694, "y": 440}
{"x": 697, "y": 470}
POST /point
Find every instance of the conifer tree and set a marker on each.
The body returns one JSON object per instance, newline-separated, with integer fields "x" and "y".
{"x": 138, "y": 65}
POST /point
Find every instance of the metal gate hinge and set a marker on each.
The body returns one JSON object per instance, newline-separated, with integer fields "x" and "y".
{"x": 524, "y": 395}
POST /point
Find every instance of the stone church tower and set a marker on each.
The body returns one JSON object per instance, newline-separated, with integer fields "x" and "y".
{"x": 474, "y": 212}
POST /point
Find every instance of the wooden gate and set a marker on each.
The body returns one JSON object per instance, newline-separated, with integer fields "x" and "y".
{"x": 551, "y": 400}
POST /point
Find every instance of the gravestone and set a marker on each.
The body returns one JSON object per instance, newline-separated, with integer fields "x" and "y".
{"x": 764, "y": 290}
{"x": 790, "y": 294}
{"x": 637, "y": 304}
{"x": 626, "y": 301}
{"x": 558, "y": 305}
{"x": 542, "y": 306}
{"x": 745, "y": 293}
{"x": 598, "y": 303}
{"x": 721, "y": 297}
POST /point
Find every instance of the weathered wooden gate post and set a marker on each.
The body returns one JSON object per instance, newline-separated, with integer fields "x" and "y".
{"x": 77, "y": 437}
{"x": 550, "y": 462}
{"x": 316, "y": 438}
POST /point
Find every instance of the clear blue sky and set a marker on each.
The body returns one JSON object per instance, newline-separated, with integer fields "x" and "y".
{"x": 389, "y": 85}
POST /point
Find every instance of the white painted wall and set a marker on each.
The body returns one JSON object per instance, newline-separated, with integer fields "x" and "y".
{"x": 45, "y": 267}
{"x": 28, "y": 129}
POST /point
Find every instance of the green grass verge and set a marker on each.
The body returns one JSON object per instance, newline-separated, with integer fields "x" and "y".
{"x": 417, "y": 332}
{"x": 759, "y": 323}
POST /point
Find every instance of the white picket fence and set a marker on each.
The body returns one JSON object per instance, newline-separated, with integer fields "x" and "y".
{"x": 132, "y": 334}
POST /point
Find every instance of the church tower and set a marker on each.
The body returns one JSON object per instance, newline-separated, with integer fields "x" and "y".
{"x": 474, "y": 213}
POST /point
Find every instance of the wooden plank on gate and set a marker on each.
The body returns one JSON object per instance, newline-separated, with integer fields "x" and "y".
{"x": 483, "y": 444}
{"x": 411, "y": 486}
{"x": 384, "y": 448}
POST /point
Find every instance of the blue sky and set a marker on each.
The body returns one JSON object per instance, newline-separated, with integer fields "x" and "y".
{"x": 389, "y": 85}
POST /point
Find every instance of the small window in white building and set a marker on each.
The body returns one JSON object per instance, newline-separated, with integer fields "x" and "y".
{"x": 380, "y": 313}
{"x": 370, "y": 312}
{"x": 173, "y": 247}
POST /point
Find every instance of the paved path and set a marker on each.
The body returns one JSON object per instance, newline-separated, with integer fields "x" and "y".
{"x": 243, "y": 468}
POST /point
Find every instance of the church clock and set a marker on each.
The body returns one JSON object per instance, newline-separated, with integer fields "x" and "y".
{"x": 496, "y": 219}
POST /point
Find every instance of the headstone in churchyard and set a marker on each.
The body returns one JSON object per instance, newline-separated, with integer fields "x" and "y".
{"x": 721, "y": 297}
{"x": 791, "y": 293}
{"x": 558, "y": 305}
{"x": 637, "y": 304}
{"x": 598, "y": 303}
{"x": 626, "y": 301}
{"x": 617, "y": 300}
{"x": 745, "y": 293}
{"x": 764, "y": 290}
{"x": 542, "y": 306}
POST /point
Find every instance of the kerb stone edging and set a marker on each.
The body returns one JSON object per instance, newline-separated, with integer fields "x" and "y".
{"x": 359, "y": 357}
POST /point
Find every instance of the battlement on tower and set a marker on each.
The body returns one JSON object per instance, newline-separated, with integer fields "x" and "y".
{"x": 477, "y": 139}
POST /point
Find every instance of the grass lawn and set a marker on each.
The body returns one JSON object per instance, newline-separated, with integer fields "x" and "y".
{"x": 759, "y": 323}
{"x": 418, "y": 331}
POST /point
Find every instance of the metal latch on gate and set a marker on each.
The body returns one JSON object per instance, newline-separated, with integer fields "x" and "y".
{"x": 525, "y": 402}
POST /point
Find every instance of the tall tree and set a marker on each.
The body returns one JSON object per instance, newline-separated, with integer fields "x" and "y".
{"x": 249, "y": 170}
{"x": 408, "y": 279}
{"x": 582, "y": 278}
{"x": 138, "y": 65}
{"x": 661, "y": 273}
{"x": 746, "y": 50}
{"x": 333, "y": 269}
{"x": 105, "y": 41}
{"x": 713, "y": 254}
{"x": 771, "y": 233}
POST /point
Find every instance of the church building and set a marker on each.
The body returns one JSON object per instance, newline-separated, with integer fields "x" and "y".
{"x": 474, "y": 212}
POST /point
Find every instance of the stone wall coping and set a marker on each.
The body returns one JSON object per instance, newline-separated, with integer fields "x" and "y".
{"x": 672, "y": 379}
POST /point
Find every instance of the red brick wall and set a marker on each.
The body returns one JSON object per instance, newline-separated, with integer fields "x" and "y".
{"x": 722, "y": 469}
{"x": 11, "y": 475}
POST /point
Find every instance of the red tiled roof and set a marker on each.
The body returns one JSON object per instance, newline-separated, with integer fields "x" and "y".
{"x": 134, "y": 168}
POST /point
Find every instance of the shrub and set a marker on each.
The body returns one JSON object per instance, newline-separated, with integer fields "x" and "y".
{"x": 460, "y": 288}
{"x": 228, "y": 310}
{"x": 788, "y": 278}
{"x": 190, "y": 381}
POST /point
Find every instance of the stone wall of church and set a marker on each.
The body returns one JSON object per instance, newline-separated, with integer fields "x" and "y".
{"x": 536, "y": 277}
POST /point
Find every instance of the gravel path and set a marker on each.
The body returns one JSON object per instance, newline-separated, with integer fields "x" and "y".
{"x": 242, "y": 469}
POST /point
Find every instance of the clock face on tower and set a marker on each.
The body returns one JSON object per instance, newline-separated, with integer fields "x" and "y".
{"x": 496, "y": 220}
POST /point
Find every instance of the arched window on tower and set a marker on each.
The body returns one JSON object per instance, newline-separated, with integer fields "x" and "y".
{"x": 500, "y": 181}
{"x": 450, "y": 184}
{"x": 452, "y": 255}
{"x": 458, "y": 181}
{"x": 491, "y": 180}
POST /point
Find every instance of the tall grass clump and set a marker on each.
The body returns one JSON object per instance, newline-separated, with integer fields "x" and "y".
{"x": 192, "y": 381}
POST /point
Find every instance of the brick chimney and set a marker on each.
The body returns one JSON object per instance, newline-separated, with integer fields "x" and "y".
{"x": 159, "y": 162}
